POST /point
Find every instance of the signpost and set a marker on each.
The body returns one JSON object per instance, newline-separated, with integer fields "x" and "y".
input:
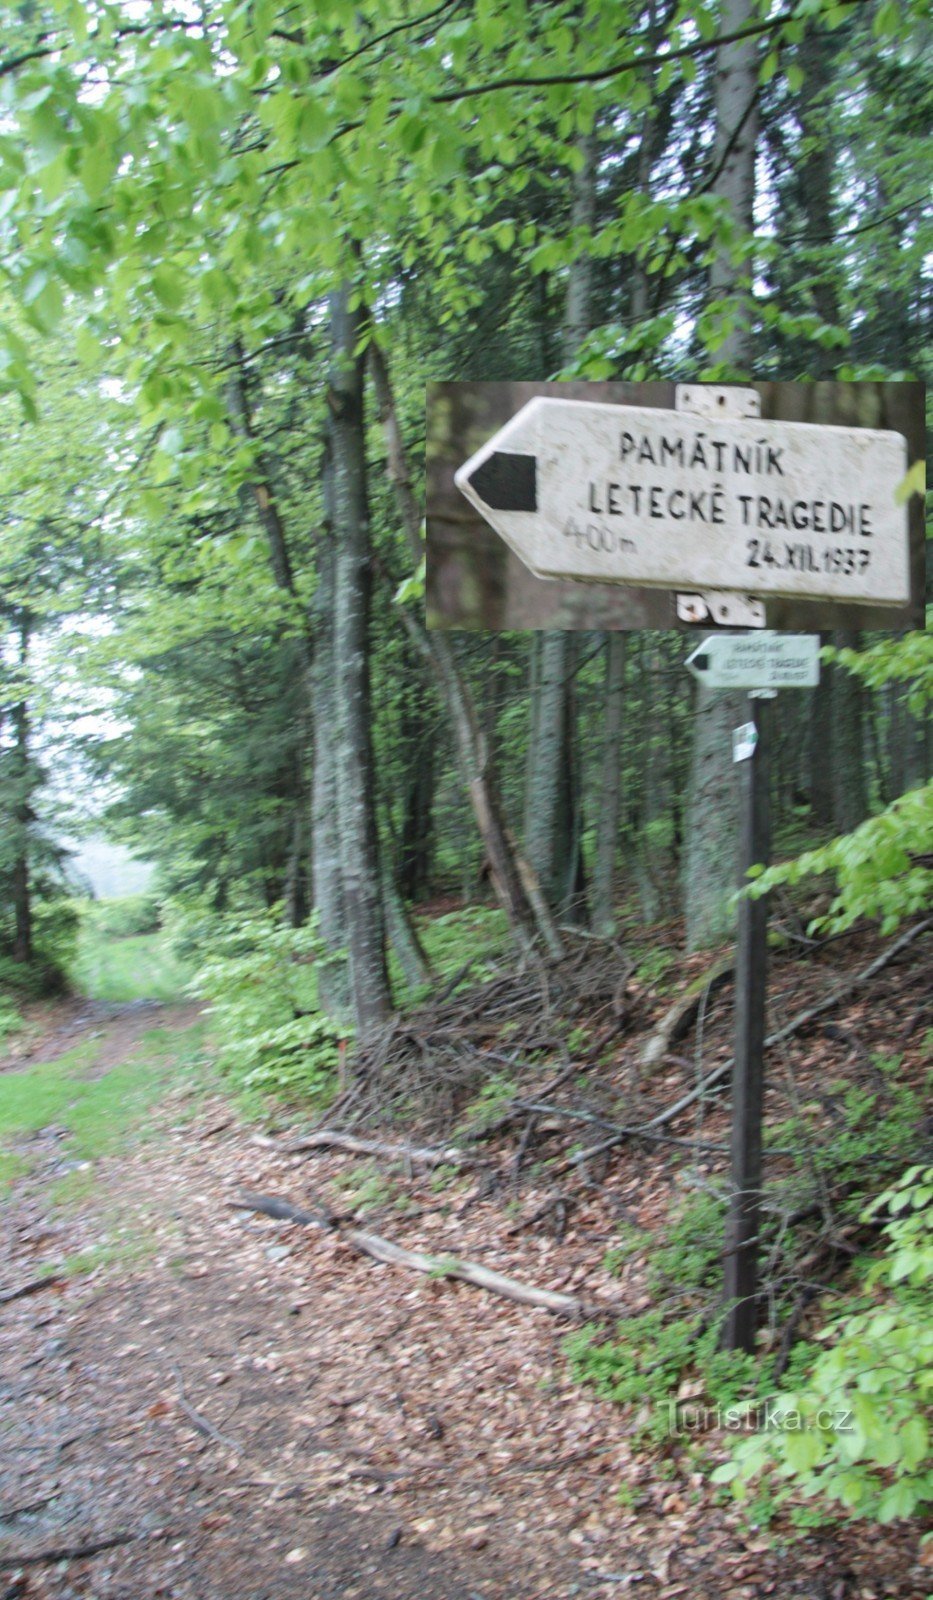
{"x": 711, "y": 498}
{"x": 637, "y": 495}
{"x": 757, "y": 661}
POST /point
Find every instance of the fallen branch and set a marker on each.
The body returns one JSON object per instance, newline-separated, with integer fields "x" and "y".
{"x": 34, "y": 1286}
{"x": 633, "y": 1131}
{"x": 332, "y": 1139}
{"x": 271, "y": 1206}
{"x": 676, "y": 1020}
{"x": 70, "y": 1552}
{"x": 372, "y": 1244}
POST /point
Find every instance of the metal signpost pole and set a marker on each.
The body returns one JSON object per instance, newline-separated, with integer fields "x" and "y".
{"x": 741, "y": 1253}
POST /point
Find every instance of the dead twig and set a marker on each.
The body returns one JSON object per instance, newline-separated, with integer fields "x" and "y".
{"x": 70, "y": 1552}
{"x": 202, "y": 1424}
{"x": 283, "y": 1210}
{"x": 34, "y": 1286}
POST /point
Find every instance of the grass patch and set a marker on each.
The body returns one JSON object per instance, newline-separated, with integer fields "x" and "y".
{"x": 74, "y": 1190}
{"x": 139, "y": 966}
{"x": 127, "y": 1248}
{"x": 12, "y": 1166}
{"x": 98, "y": 1114}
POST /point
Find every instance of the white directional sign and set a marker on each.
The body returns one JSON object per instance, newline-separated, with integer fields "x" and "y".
{"x": 627, "y": 494}
{"x": 757, "y": 661}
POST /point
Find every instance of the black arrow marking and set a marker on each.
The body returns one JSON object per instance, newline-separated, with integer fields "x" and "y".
{"x": 701, "y": 662}
{"x": 507, "y": 482}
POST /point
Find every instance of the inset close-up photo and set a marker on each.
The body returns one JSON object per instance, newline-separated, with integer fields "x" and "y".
{"x": 466, "y": 800}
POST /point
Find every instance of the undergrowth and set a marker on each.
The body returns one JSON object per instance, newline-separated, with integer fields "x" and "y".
{"x": 843, "y": 1149}
{"x": 261, "y": 985}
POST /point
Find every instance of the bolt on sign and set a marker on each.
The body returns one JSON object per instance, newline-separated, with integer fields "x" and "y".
{"x": 606, "y": 505}
{"x": 629, "y": 495}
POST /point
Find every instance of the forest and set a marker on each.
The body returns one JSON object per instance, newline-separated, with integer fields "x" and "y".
{"x": 442, "y": 918}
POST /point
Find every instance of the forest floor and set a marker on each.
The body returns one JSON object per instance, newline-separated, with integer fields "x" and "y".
{"x": 211, "y": 1404}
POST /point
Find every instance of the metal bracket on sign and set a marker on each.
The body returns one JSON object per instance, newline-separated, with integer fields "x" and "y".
{"x": 723, "y": 609}
{"x": 711, "y": 400}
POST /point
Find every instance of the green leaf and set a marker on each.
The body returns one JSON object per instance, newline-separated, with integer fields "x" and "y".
{"x": 168, "y": 287}
{"x": 88, "y": 347}
{"x": 98, "y": 165}
{"x": 915, "y": 482}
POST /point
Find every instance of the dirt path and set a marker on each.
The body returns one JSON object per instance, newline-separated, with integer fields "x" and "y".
{"x": 247, "y": 1411}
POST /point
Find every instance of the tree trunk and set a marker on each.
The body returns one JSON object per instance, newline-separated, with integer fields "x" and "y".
{"x": 261, "y": 486}
{"x": 22, "y": 813}
{"x": 553, "y": 836}
{"x": 657, "y": 833}
{"x": 333, "y": 977}
{"x": 610, "y": 798}
{"x": 408, "y": 948}
{"x": 734, "y": 163}
{"x": 527, "y": 914}
{"x": 294, "y": 893}
{"x": 262, "y": 491}
{"x": 548, "y": 809}
{"x": 849, "y": 799}
{"x": 419, "y": 739}
{"x": 711, "y": 861}
{"x": 359, "y": 862}
{"x": 816, "y": 180}
{"x": 821, "y": 745}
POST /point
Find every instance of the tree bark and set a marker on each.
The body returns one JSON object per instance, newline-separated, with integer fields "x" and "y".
{"x": 548, "y": 809}
{"x": 610, "y": 797}
{"x": 711, "y": 862}
{"x": 712, "y": 835}
{"x": 734, "y": 163}
{"x": 22, "y": 812}
{"x": 333, "y": 978}
{"x": 849, "y": 799}
{"x": 359, "y": 863}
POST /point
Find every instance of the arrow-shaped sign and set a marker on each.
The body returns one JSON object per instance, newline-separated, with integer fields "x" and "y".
{"x": 629, "y": 494}
{"x": 757, "y": 661}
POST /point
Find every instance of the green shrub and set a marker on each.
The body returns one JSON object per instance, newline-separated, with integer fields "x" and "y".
{"x": 10, "y": 1019}
{"x": 691, "y": 1256}
{"x": 124, "y": 918}
{"x": 858, "y": 1436}
{"x": 645, "y": 1361}
{"x": 54, "y": 935}
{"x": 261, "y": 985}
{"x": 474, "y": 934}
{"x": 490, "y": 1104}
